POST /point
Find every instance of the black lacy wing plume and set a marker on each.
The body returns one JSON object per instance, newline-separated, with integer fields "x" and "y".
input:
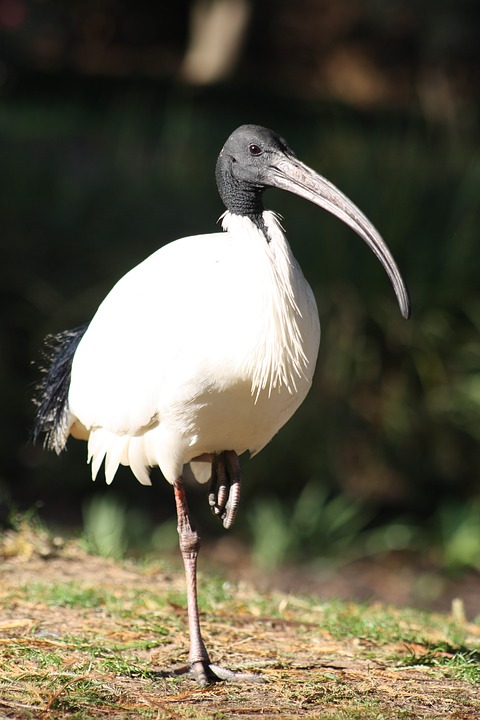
{"x": 51, "y": 392}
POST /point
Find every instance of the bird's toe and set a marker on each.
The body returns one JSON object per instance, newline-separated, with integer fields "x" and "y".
{"x": 206, "y": 674}
{"x": 200, "y": 672}
{"x": 227, "y": 675}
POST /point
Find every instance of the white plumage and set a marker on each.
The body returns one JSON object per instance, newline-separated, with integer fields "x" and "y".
{"x": 218, "y": 355}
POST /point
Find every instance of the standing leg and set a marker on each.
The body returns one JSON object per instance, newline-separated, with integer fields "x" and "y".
{"x": 200, "y": 667}
{"x": 189, "y": 546}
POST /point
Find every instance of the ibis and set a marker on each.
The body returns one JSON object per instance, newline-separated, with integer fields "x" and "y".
{"x": 203, "y": 351}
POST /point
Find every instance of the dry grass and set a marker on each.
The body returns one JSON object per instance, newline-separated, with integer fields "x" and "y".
{"x": 86, "y": 637}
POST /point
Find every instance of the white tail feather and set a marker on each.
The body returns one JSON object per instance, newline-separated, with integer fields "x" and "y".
{"x": 114, "y": 456}
{"x": 96, "y": 450}
{"x": 116, "y": 450}
{"x": 136, "y": 459}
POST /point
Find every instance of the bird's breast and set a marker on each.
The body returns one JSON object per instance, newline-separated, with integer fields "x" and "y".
{"x": 258, "y": 358}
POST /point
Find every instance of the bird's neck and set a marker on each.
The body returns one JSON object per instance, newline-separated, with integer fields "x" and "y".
{"x": 264, "y": 221}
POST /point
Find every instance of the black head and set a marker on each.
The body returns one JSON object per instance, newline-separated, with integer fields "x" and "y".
{"x": 244, "y": 167}
{"x": 254, "y": 158}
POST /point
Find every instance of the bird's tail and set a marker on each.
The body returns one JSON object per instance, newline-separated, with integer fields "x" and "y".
{"x": 51, "y": 396}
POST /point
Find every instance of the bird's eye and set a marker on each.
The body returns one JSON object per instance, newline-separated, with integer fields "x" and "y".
{"x": 255, "y": 149}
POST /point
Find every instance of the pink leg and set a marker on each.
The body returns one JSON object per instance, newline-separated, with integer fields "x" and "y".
{"x": 224, "y": 495}
{"x": 200, "y": 667}
{"x": 189, "y": 546}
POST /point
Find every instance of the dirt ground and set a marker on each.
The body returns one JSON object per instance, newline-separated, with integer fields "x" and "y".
{"x": 309, "y": 673}
{"x": 398, "y": 578}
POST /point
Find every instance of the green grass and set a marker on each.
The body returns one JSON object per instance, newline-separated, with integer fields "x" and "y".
{"x": 461, "y": 661}
{"x": 382, "y": 624}
{"x": 148, "y": 613}
{"x": 70, "y": 594}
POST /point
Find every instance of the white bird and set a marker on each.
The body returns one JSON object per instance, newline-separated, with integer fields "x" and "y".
{"x": 204, "y": 350}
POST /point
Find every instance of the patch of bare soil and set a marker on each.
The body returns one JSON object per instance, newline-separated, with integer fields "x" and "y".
{"x": 309, "y": 673}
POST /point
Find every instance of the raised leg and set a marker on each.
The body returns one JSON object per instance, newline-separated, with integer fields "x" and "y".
{"x": 224, "y": 495}
{"x": 201, "y": 668}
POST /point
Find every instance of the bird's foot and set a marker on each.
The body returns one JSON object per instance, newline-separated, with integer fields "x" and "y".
{"x": 224, "y": 494}
{"x": 205, "y": 674}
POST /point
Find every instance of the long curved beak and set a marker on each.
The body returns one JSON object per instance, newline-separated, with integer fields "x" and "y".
{"x": 292, "y": 175}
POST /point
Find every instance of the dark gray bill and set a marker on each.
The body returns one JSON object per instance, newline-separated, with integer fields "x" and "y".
{"x": 294, "y": 176}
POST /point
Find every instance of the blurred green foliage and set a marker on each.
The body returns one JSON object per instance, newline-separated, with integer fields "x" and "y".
{"x": 458, "y": 535}
{"x": 315, "y": 525}
{"x": 94, "y": 180}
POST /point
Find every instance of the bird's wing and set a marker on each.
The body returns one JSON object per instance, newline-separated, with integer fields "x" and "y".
{"x": 153, "y": 332}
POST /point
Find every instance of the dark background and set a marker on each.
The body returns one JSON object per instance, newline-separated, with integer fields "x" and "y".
{"x": 111, "y": 117}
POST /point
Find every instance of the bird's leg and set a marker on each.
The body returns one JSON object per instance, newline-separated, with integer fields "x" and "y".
{"x": 224, "y": 495}
{"x": 189, "y": 542}
{"x": 200, "y": 667}
{"x": 217, "y": 496}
